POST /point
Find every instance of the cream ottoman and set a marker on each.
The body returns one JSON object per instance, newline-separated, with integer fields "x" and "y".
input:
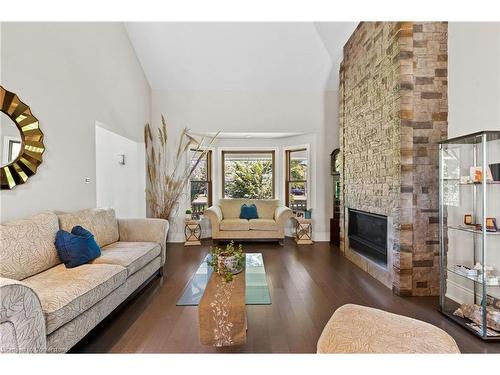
{"x": 360, "y": 329}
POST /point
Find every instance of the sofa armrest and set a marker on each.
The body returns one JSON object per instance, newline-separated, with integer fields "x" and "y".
{"x": 22, "y": 322}
{"x": 282, "y": 214}
{"x": 145, "y": 230}
{"x": 214, "y": 213}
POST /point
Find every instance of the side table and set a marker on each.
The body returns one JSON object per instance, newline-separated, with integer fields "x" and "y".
{"x": 192, "y": 232}
{"x": 303, "y": 231}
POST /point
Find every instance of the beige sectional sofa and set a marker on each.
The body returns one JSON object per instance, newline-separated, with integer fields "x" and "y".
{"x": 46, "y": 307}
{"x": 227, "y": 225}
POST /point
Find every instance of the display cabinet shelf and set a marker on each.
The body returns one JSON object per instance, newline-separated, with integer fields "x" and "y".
{"x": 465, "y": 296}
{"x": 477, "y": 279}
{"x": 471, "y": 230}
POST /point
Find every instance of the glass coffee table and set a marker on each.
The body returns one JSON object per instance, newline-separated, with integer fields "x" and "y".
{"x": 256, "y": 289}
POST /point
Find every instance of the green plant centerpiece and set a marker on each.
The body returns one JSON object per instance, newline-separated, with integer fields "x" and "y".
{"x": 228, "y": 261}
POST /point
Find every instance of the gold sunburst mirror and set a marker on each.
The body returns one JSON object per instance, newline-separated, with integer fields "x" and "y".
{"x": 21, "y": 141}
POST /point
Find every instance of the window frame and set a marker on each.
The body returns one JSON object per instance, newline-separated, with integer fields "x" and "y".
{"x": 287, "y": 171}
{"x": 209, "y": 180}
{"x": 242, "y": 152}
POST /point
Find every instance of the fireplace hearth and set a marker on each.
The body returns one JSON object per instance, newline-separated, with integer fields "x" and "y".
{"x": 367, "y": 234}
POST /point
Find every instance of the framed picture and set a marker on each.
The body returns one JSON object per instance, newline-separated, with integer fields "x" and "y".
{"x": 468, "y": 219}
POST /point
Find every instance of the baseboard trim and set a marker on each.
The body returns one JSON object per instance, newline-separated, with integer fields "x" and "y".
{"x": 174, "y": 237}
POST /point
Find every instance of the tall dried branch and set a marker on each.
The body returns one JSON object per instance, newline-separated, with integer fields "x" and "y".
{"x": 168, "y": 177}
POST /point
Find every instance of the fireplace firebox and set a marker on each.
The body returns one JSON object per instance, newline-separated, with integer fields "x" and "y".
{"x": 367, "y": 234}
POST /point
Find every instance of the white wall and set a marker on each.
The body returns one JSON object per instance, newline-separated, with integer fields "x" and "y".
{"x": 72, "y": 75}
{"x": 312, "y": 113}
{"x": 121, "y": 186}
{"x": 473, "y": 77}
{"x": 474, "y": 105}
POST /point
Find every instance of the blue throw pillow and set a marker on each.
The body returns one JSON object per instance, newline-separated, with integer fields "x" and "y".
{"x": 248, "y": 212}
{"x": 76, "y": 248}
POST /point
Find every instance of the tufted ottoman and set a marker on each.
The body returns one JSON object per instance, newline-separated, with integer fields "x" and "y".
{"x": 360, "y": 329}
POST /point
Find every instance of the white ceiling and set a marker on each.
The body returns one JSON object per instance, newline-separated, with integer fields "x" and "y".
{"x": 240, "y": 56}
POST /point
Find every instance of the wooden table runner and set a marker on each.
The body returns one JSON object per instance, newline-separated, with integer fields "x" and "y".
{"x": 222, "y": 312}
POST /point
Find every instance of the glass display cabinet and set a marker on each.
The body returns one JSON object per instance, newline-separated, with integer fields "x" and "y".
{"x": 469, "y": 230}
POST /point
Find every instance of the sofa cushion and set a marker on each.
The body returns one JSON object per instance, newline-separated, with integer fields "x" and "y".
{"x": 263, "y": 224}
{"x": 266, "y": 207}
{"x": 27, "y": 246}
{"x": 67, "y": 292}
{"x": 234, "y": 224}
{"x": 131, "y": 255}
{"x": 100, "y": 221}
{"x": 231, "y": 207}
{"x": 249, "y": 212}
{"x": 76, "y": 248}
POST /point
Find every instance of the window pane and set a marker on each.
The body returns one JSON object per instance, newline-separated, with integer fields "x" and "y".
{"x": 298, "y": 165}
{"x": 199, "y": 186}
{"x": 248, "y": 175}
{"x": 200, "y": 173}
{"x": 297, "y": 196}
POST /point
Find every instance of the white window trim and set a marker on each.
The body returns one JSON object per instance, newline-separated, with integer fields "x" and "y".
{"x": 307, "y": 146}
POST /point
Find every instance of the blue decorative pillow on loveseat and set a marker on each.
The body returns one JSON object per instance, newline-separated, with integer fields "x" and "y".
{"x": 76, "y": 248}
{"x": 248, "y": 212}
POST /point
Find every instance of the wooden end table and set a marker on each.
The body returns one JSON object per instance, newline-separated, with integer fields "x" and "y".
{"x": 303, "y": 231}
{"x": 192, "y": 231}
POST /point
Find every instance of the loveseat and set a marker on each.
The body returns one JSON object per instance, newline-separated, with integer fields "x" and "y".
{"x": 227, "y": 225}
{"x": 46, "y": 307}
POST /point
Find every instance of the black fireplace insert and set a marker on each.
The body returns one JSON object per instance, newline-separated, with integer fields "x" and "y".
{"x": 368, "y": 235}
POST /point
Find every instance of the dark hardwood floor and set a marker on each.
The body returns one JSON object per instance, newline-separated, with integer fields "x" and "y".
{"x": 306, "y": 283}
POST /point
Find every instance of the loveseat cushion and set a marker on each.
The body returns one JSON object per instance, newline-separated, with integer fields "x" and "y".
{"x": 231, "y": 208}
{"x": 234, "y": 224}
{"x": 67, "y": 292}
{"x": 263, "y": 224}
{"x": 27, "y": 246}
{"x": 266, "y": 207}
{"x": 131, "y": 255}
{"x": 100, "y": 221}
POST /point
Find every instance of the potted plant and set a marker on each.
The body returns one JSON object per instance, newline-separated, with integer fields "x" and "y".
{"x": 228, "y": 261}
{"x": 189, "y": 214}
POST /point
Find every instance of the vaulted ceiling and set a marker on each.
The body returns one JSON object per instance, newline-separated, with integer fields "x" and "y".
{"x": 240, "y": 56}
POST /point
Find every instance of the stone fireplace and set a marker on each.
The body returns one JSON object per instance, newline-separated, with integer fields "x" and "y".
{"x": 393, "y": 110}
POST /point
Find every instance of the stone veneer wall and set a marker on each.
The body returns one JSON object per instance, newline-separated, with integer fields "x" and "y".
{"x": 393, "y": 111}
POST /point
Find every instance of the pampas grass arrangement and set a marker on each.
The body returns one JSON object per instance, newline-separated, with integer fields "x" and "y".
{"x": 168, "y": 176}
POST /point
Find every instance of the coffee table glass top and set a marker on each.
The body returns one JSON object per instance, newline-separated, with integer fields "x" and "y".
{"x": 256, "y": 289}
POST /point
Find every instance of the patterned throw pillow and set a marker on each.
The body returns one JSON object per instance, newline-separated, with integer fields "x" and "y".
{"x": 248, "y": 212}
{"x": 76, "y": 248}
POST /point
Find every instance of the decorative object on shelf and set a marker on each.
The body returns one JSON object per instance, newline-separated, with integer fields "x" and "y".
{"x": 227, "y": 262}
{"x": 491, "y": 224}
{"x": 495, "y": 171}
{"x": 169, "y": 174}
{"x": 335, "y": 162}
{"x": 476, "y": 174}
{"x": 468, "y": 219}
{"x": 488, "y": 270}
{"x": 299, "y": 214}
{"x": 465, "y": 180}
{"x": 475, "y": 313}
{"x": 308, "y": 213}
{"x": 192, "y": 232}
{"x": 189, "y": 214}
{"x": 303, "y": 231}
{"x": 22, "y": 150}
